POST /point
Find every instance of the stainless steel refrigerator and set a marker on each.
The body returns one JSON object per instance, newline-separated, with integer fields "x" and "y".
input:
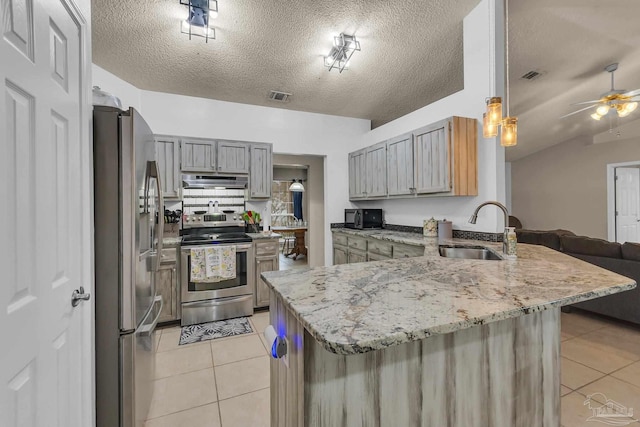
{"x": 128, "y": 212}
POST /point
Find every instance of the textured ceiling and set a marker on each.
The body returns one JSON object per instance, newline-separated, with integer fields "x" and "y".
{"x": 571, "y": 42}
{"x": 411, "y": 52}
{"x": 411, "y": 56}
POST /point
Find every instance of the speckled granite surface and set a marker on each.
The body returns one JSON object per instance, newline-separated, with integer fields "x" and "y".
{"x": 171, "y": 242}
{"x": 362, "y": 307}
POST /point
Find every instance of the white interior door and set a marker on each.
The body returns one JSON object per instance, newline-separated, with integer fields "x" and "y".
{"x": 45, "y": 181}
{"x": 627, "y": 204}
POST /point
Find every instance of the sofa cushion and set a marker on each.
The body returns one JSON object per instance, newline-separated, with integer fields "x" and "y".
{"x": 531, "y": 237}
{"x": 589, "y": 246}
{"x": 549, "y": 239}
{"x": 631, "y": 251}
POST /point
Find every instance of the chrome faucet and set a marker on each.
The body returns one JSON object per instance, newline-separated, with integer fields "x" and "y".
{"x": 474, "y": 218}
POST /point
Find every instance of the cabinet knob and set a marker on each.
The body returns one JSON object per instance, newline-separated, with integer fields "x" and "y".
{"x": 258, "y": 262}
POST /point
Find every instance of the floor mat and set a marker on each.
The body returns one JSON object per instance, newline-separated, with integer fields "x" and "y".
{"x": 213, "y": 330}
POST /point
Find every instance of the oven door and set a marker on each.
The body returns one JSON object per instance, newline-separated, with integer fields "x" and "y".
{"x": 198, "y": 291}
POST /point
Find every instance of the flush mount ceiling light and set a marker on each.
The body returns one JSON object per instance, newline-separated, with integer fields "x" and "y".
{"x": 200, "y": 13}
{"x": 296, "y": 186}
{"x": 618, "y": 100}
{"x": 343, "y": 48}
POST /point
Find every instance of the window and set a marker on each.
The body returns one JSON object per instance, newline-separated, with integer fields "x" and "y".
{"x": 281, "y": 203}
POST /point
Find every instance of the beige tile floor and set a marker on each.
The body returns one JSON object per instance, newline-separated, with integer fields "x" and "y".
{"x": 225, "y": 382}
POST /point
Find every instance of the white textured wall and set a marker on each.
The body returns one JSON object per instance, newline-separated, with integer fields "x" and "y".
{"x": 469, "y": 102}
{"x": 565, "y": 186}
{"x": 129, "y": 95}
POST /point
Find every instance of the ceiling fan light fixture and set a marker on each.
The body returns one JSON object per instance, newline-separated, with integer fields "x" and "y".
{"x": 509, "y": 136}
{"x": 603, "y": 109}
{"x": 596, "y": 116}
{"x": 489, "y": 130}
{"x": 630, "y": 106}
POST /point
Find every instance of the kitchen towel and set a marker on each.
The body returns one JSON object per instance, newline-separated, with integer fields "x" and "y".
{"x": 198, "y": 265}
{"x": 220, "y": 263}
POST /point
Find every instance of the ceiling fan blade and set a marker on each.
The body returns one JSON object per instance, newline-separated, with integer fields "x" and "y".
{"x": 632, "y": 93}
{"x": 587, "y": 102}
{"x": 576, "y": 112}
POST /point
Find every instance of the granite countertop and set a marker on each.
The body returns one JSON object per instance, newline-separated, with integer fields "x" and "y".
{"x": 171, "y": 242}
{"x": 357, "y": 308}
{"x": 260, "y": 236}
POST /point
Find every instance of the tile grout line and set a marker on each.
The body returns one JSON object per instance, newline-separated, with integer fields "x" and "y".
{"x": 215, "y": 382}
{"x": 244, "y": 394}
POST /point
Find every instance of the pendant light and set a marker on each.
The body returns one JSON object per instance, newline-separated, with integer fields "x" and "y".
{"x": 493, "y": 119}
{"x": 509, "y": 136}
{"x": 296, "y": 187}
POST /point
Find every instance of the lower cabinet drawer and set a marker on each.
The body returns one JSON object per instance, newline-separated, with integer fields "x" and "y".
{"x": 339, "y": 239}
{"x": 269, "y": 247}
{"x": 379, "y": 247}
{"x": 357, "y": 243}
{"x": 407, "y": 251}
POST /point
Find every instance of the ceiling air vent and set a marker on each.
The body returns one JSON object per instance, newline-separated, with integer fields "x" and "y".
{"x": 278, "y": 96}
{"x": 531, "y": 75}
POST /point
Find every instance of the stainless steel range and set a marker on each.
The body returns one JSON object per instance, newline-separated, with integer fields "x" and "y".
{"x": 207, "y": 298}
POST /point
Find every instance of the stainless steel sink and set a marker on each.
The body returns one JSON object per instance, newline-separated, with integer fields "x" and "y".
{"x": 468, "y": 252}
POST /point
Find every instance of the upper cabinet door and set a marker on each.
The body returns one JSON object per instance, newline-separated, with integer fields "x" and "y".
{"x": 233, "y": 157}
{"x": 432, "y": 162}
{"x": 376, "y": 170}
{"x": 357, "y": 178}
{"x": 168, "y": 155}
{"x": 400, "y": 165}
{"x": 198, "y": 155}
{"x": 261, "y": 171}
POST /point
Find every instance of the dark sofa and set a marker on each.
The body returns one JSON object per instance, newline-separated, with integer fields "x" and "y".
{"x": 622, "y": 259}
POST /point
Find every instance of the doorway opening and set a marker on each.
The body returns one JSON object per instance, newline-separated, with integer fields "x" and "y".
{"x": 623, "y": 200}
{"x": 289, "y": 213}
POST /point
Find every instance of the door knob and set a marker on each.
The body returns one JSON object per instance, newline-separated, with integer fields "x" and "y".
{"x": 79, "y": 295}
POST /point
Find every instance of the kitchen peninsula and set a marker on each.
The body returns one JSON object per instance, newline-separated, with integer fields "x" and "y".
{"x": 427, "y": 341}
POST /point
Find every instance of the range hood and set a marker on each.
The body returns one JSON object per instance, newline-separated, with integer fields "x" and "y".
{"x": 214, "y": 181}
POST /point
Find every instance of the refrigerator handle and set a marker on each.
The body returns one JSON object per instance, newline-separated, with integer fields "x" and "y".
{"x": 160, "y": 233}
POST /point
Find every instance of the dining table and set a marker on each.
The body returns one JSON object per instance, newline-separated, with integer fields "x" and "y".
{"x": 299, "y": 246}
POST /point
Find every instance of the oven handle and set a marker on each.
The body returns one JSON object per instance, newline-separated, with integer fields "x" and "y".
{"x": 242, "y": 248}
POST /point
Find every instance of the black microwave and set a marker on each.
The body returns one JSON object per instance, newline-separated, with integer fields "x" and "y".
{"x": 363, "y": 218}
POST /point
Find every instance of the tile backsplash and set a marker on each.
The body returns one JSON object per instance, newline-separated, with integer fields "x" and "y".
{"x": 195, "y": 199}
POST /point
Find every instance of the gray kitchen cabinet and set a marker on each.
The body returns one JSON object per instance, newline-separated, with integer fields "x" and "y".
{"x": 446, "y": 157}
{"x": 260, "y": 171}
{"x": 400, "y": 165}
{"x": 376, "y": 170}
{"x": 436, "y": 160}
{"x": 348, "y": 249}
{"x": 198, "y": 155}
{"x": 432, "y": 159}
{"x": 356, "y": 256}
{"x": 233, "y": 157}
{"x": 340, "y": 255}
{"x": 167, "y": 285}
{"x": 267, "y": 259}
{"x": 168, "y": 155}
{"x": 407, "y": 251}
{"x": 357, "y": 177}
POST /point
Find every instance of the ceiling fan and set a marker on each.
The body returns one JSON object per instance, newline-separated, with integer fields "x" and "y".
{"x": 622, "y": 101}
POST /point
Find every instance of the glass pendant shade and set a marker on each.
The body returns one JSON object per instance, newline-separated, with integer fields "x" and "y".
{"x": 627, "y": 109}
{"x": 602, "y": 110}
{"x": 509, "y": 136}
{"x": 494, "y": 111}
{"x": 296, "y": 187}
{"x": 488, "y": 130}
{"x": 596, "y": 116}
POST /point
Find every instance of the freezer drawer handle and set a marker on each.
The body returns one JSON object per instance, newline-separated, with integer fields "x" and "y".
{"x": 79, "y": 295}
